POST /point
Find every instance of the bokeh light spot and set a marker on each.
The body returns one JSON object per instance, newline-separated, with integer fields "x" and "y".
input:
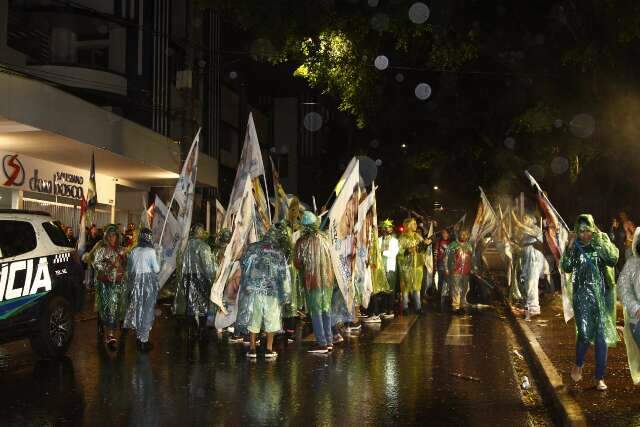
{"x": 510, "y": 143}
{"x": 312, "y": 121}
{"x": 559, "y": 165}
{"x": 423, "y": 91}
{"x": 381, "y": 62}
{"x": 582, "y": 125}
{"x": 419, "y": 13}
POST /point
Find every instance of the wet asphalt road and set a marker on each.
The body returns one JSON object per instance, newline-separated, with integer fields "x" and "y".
{"x": 190, "y": 383}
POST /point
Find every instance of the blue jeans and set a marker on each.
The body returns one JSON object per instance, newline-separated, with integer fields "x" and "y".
{"x": 322, "y": 328}
{"x": 601, "y": 354}
{"x": 416, "y": 300}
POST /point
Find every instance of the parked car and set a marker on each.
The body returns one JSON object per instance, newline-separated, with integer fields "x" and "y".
{"x": 40, "y": 282}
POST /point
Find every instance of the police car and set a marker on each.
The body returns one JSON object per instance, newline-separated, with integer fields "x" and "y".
{"x": 40, "y": 282}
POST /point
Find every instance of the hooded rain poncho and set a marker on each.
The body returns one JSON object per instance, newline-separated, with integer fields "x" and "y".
{"x": 593, "y": 287}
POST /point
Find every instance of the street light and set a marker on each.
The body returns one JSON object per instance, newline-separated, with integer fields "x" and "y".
{"x": 435, "y": 187}
{"x": 404, "y": 146}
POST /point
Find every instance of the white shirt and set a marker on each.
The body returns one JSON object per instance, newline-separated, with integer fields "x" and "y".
{"x": 391, "y": 252}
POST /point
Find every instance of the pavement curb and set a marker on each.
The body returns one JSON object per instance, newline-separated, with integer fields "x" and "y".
{"x": 550, "y": 380}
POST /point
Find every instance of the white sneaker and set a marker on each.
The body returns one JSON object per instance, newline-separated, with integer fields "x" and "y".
{"x": 388, "y": 316}
{"x": 601, "y": 386}
{"x": 373, "y": 319}
{"x": 576, "y": 374}
{"x": 363, "y": 316}
{"x": 354, "y": 328}
{"x": 270, "y": 355}
{"x": 252, "y": 354}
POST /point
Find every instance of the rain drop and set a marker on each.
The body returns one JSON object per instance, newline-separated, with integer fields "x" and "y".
{"x": 399, "y": 77}
{"x": 374, "y": 143}
{"x": 423, "y": 91}
{"x": 582, "y": 125}
{"x": 381, "y": 62}
{"x": 312, "y": 121}
{"x": 233, "y": 75}
{"x": 419, "y": 13}
{"x": 378, "y": 162}
{"x": 559, "y": 165}
{"x": 510, "y": 143}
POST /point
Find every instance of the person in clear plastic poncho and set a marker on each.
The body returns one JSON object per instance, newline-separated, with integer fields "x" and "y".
{"x": 532, "y": 261}
{"x": 590, "y": 258}
{"x": 629, "y": 287}
{"x": 411, "y": 264}
{"x": 314, "y": 256}
{"x": 196, "y": 277}
{"x": 264, "y": 286}
{"x": 109, "y": 263}
{"x": 458, "y": 268}
{"x": 142, "y": 276}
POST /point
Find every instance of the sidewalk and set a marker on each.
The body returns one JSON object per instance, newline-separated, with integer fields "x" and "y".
{"x": 618, "y": 406}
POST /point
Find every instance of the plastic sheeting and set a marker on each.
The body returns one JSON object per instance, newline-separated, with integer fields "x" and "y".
{"x": 593, "y": 296}
{"x": 109, "y": 265}
{"x": 314, "y": 258}
{"x": 142, "y": 278}
{"x": 264, "y": 273}
{"x": 629, "y": 286}
{"x": 410, "y": 262}
{"x": 196, "y": 277}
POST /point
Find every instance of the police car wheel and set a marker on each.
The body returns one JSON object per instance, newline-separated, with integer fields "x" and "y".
{"x": 55, "y": 329}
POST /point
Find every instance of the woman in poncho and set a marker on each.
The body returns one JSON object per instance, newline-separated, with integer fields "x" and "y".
{"x": 109, "y": 264}
{"x": 142, "y": 275}
{"x": 590, "y": 257}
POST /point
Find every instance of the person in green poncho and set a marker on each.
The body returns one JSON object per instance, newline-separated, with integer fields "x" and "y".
{"x": 314, "y": 259}
{"x": 590, "y": 257}
{"x": 411, "y": 264}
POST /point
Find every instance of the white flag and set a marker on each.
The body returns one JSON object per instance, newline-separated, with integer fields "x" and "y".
{"x": 342, "y": 219}
{"x": 178, "y": 228}
{"x": 243, "y": 233}
{"x": 249, "y": 167}
{"x": 486, "y": 220}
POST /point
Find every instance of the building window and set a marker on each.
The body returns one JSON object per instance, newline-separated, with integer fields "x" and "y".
{"x": 17, "y": 238}
{"x": 56, "y": 235}
{"x": 230, "y": 137}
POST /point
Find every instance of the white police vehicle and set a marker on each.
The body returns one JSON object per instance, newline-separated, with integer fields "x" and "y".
{"x": 40, "y": 282}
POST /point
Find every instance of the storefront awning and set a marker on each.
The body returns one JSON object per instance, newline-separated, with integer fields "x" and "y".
{"x": 44, "y": 122}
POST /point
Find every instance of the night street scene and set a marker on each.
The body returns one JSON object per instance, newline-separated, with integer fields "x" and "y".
{"x": 319, "y": 213}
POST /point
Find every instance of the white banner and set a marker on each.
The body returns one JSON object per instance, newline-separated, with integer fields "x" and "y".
{"x": 176, "y": 230}
{"x": 243, "y": 233}
{"x": 250, "y": 166}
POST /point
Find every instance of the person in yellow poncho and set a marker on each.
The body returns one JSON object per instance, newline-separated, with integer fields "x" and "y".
{"x": 411, "y": 265}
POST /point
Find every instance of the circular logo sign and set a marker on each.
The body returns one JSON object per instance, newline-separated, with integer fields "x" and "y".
{"x": 13, "y": 170}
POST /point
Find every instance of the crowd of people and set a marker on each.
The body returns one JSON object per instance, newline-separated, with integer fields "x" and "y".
{"x": 287, "y": 275}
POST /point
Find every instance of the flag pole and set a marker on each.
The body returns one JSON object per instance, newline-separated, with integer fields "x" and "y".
{"x": 266, "y": 190}
{"x": 166, "y": 217}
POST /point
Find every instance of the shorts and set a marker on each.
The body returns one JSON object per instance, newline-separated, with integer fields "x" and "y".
{"x": 265, "y": 310}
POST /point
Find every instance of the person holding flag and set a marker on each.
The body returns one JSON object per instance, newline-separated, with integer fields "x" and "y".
{"x": 590, "y": 257}
{"x": 532, "y": 261}
{"x": 196, "y": 278}
{"x": 265, "y": 286}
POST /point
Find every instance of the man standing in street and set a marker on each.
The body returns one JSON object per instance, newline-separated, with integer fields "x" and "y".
{"x": 458, "y": 269}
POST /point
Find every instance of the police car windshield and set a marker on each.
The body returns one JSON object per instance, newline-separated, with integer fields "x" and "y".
{"x": 56, "y": 235}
